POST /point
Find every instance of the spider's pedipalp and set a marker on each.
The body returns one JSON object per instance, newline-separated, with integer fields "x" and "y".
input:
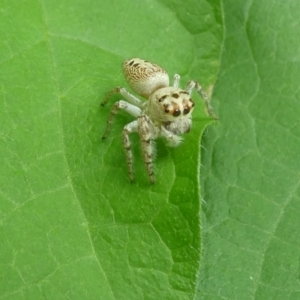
{"x": 173, "y": 139}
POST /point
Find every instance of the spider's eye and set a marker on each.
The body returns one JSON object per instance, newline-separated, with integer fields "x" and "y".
{"x": 162, "y": 98}
{"x": 176, "y": 112}
{"x": 186, "y": 110}
{"x": 166, "y": 108}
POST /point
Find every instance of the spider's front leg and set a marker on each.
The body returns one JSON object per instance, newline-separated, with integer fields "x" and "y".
{"x": 145, "y": 126}
{"x": 127, "y": 96}
{"x": 176, "y": 80}
{"x": 129, "y": 128}
{"x": 195, "y": 85}
{"x": 129, "y": 108}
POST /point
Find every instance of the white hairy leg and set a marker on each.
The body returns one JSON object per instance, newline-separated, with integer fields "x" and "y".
{"x": 127, "y": 96}
{"x": 129, "y": 128}
{"x": 192, "y": 84}
{"x": 176, "y": 80}
{"x": 129, "y": 108}
{"x": 144, "y": 128}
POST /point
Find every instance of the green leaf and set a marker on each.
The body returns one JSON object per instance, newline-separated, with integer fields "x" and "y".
{"x": 251, "y": 163}
{"x": 71, "y": 224}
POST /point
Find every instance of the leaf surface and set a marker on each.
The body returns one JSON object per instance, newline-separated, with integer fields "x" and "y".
{"x": 251, "y": 163}
{"x": 71, "y": 224}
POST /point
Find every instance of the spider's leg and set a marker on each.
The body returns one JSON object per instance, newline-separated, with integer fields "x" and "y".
{"x": 172, "y": 139}
{"x": 127, "y": 96}
{"x": 129, "y": 128}
{"x": 129, "y": 108}
{"x": 195, "y": 85}
{"x": 176, "y": 80}
{"x": 144, "y": 129}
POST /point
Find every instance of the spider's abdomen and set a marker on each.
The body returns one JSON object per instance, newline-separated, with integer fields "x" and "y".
{"x": 144, "y": 77}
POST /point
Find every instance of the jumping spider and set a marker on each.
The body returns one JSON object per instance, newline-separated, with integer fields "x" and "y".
{"x": 166, "y": 113}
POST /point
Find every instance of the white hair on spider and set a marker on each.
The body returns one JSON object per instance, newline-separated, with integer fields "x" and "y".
{"x": 167, "y": 111}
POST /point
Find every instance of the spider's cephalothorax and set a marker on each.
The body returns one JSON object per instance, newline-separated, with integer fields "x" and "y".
{"x": 166, "y": 113}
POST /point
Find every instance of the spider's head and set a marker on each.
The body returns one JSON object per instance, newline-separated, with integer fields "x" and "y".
{"x": 170, "y": 104}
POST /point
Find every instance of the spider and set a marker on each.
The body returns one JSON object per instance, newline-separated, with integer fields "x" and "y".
{"x": 166, "y": 113}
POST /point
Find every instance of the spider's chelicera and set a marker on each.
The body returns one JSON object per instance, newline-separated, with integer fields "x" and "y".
{"x": 166, "y": 113}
